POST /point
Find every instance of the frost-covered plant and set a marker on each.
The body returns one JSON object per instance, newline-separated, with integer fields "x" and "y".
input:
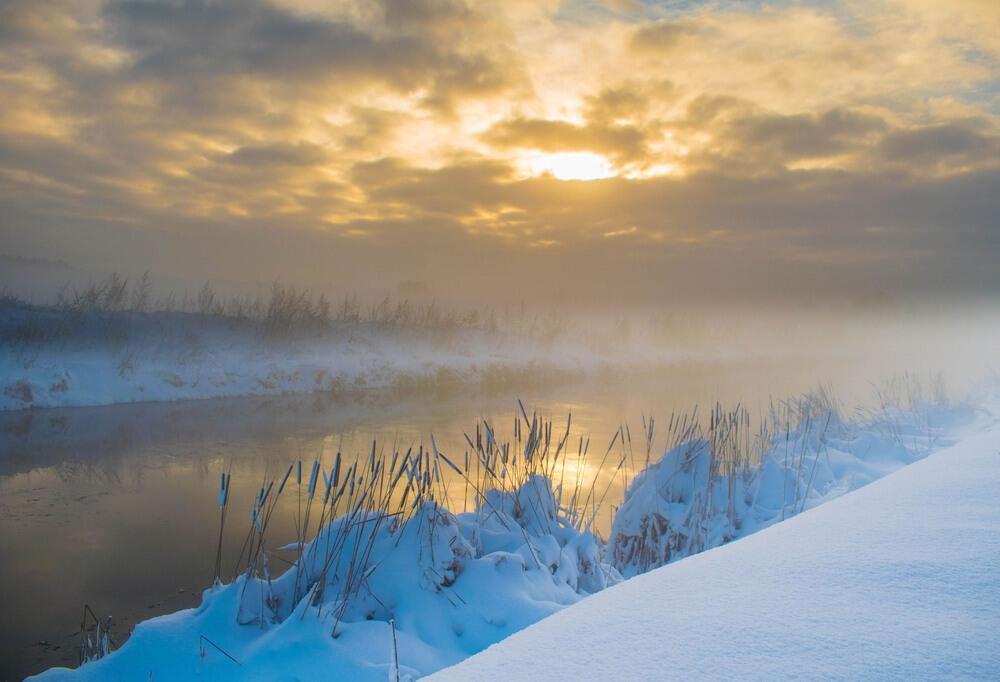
{"x": 724, "y": 480}
{"x": 693, "y": 498}
{"x": 95, "y": 636}
{"x": 907, "y": 410}
{"x": 706, "y": 489}
{"x": 385, "y": 531}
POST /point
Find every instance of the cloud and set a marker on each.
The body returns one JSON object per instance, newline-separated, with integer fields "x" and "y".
{"x": 665, "y": 35}
{"x": 942, "y": 143}
{"x": 628, "y": 100}
{"x": 185, "y": 44}
{"x": 760, "y": 142}
{"x": 281, "y": 155}
{"x": 453, "y": 191}
{"x": 806, "y": 135}
{"x": 624, "y": 142}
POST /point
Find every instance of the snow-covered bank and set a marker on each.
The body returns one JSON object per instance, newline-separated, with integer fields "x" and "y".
{"x": 51, "y": 358}
{"x": 897, "y": 580}
{"x": 453, "y": 585}
{"x": 456, "y": 583}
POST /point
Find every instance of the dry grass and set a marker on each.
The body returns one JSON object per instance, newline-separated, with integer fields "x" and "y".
{"x": 113, "y": 309}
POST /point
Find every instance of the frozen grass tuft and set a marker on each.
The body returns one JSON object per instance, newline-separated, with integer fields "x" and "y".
{"x": 724, "y": 479}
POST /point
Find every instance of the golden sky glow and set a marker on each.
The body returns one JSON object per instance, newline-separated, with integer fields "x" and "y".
{"x": 568, "y": 165}
{"x": 411, "y": 136}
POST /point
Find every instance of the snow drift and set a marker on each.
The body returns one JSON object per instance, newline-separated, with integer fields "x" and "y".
{"x": 897, "y": 580}
{"x": 709, "y": 490}
{"x": 426, "y": 588}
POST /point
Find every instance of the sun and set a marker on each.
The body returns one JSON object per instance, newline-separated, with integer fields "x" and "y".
{"x": 570, "y": 165}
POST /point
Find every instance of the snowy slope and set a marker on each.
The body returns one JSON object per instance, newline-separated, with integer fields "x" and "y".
{"x": 897, "y": 580}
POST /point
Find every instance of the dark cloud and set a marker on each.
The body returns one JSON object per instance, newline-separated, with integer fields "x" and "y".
{"x": 454, "y": 190}
{"x": 628, "y": 100}
{"x": 191, "y": 43}
{"x": 196, "y": 38}
{"x": 28, "y": 23}
{"x": 805, "y": 136}
{"x": 622, "y": 142}
{"x": 705, "y": 108}
{"x": 664, "y": 35}
{"x": 444, "y": 18}
{"x": 943, "y": 142}
{"x": 278, "y": 154}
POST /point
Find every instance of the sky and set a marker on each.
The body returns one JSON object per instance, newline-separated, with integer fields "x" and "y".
{"x": 577, "y": 152}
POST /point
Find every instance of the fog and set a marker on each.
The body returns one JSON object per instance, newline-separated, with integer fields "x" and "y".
{"x": 849, "y": 341}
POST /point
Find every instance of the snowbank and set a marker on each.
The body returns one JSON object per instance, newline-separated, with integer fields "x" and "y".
{"x": 897, "y": 580}
{"x": 452, "y": 584}
{"x": 696, "y": 497}
{"x": 104, "y": 358}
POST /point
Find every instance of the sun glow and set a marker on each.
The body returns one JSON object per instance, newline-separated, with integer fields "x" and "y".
{"x": 570, "y": 166}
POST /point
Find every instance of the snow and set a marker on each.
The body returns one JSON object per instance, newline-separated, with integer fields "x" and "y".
{"x": 689, "y": 501}
{"x": 104, "y": 358}
{"x": 897, "y": 580}
{"x": 453, "y": 584}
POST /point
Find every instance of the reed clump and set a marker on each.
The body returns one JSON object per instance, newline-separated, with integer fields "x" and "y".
{"x": 352, "y": 518}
